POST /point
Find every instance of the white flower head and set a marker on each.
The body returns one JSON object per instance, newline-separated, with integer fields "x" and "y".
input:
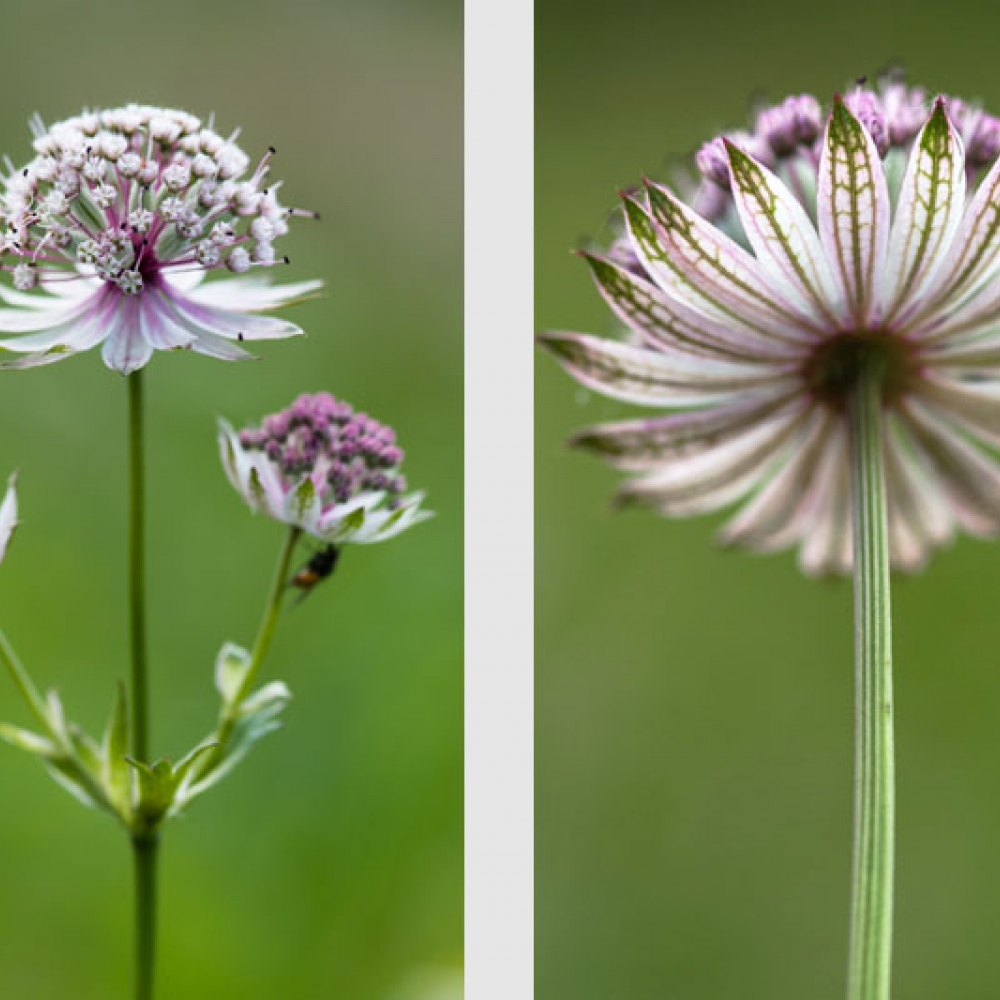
{"x": 752, "y": 303}
{"x": 8, "y": 514}
{"x": 105, "y": 227}
{"x": 323, "y": 467}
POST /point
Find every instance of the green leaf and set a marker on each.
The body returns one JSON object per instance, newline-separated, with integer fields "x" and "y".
{"x": 155, "y": 790}
{"x": 258, "y": 717}
{"x": 24, "y": 739}
{"x": 116, "y": 775}
{"x": 66, "y": 774}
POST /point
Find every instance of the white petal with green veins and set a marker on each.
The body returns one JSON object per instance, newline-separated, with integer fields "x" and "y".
{"x": 702, "y": 267}
{"x": 638, "y": 375}
{"x": 783, "y": 237}
{"x": 928, "y": 212}
{"x": 852, "y": 208}
{"x": 661, "y": 320}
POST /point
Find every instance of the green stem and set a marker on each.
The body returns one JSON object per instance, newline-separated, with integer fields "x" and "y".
{"x": 871, "y": 903}
{"x": 144, "y": 852}
{"x": 265, "y": 633}
{"x": 136, "y": 572}
{"x": 143, "y": 845}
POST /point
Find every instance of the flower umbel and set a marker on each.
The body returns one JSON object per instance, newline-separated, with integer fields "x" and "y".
{"x": 320, "y": 466}
{"x": 109, "y": 231}
{"x": 804, "y": 254}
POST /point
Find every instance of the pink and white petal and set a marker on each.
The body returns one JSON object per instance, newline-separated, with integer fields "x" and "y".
{"x": 915, "y": 498}
{"x": 974, "y": 406}
{"x": 644, "y": 444}
{"x": 37, "y": 359}
{"x": 252, "y": 294}
{"x": 234, "y": 325}
{"x": 342, "y": 521}
{"x": 697, "y": 264}
{"x": 85, "y": 329}
{"x": 213, "y": 346}
{"x": 714, "y": 478}
{"x": 852, "y": 208}
{"x": 125, "y": 349}
{"x": 159, "y": 327}
{"x": 24, "y": 322}
{"x": 302, "y": 506}
{"x": 654, "y": 378}
{"x": 969, "y": 478}
{"x": 928, "y": 212}
{"x": 386, "y": 524}
{"x": 234, "y": 459}
{"x": 827, "y": 542}
{"x": 184, "y": 280}
{"x": 62, "y": 293}
{"x": 8, "y": 514}
{"x": 974, "y": 254}
{"x": 785, "y": 241}
{"x": 661, "y": 320}
{"x": 773, "y": 517}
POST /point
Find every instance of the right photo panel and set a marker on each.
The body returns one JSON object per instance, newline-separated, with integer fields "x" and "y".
{"x": 767, "y": 490}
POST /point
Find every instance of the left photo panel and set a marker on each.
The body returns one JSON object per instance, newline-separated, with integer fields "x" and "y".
{"x": 231, "y": 591}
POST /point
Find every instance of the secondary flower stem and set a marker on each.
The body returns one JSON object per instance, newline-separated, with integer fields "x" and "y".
{"x": 871, "y": 901}
{"x": 265, "y": 633}
{"x": 144, "y": 852}
{"x": 136, "y": 571}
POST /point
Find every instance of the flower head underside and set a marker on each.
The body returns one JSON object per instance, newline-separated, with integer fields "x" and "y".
{"x": 818, "y": 243}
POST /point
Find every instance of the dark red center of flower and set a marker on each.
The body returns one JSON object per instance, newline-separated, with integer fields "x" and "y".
{"x": 832, "y": 371}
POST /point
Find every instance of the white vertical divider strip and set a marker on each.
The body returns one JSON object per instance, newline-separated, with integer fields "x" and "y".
{"x": 499, "y": 356}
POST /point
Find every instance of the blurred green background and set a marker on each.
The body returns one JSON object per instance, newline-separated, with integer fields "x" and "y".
{"x": 694, "y": 707}
{"x": 330, "y": 863}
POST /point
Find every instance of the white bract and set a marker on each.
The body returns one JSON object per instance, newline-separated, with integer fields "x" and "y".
{"x": 8, "y": 514}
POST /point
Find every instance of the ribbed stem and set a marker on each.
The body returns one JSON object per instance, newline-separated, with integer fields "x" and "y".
{"x": 871, "y": 902}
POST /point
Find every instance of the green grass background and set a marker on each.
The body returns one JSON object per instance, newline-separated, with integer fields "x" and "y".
{"x": 329, "y": 864}
{"x": 694, "y": 707}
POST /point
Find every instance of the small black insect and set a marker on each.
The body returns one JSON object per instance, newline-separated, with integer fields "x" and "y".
{"x": 318, "y": 568}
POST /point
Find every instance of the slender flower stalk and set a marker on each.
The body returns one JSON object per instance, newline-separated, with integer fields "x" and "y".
{"x": 874, "y": 795}
{"x": 136, "y": 570}
{"x": 144, "y": 844}
{"x": 233, "y": 706}
{"x": 818, "y": 311}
